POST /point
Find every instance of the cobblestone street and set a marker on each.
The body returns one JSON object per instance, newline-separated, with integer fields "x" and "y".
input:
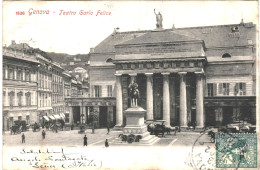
{"x": 74, "y": 139}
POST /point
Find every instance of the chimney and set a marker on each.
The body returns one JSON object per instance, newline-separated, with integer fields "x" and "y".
{"x": 242, "y": 22}
{"x": 13, "y": 42}
{"x": 116, "y": 30}
{"x": 91, "y": 50}
{"x": 173, "y": 27}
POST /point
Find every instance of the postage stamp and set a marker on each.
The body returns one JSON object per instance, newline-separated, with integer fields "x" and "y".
{"x": 236, "y": 150}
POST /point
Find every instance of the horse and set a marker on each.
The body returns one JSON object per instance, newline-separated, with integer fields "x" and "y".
{"x": 133, "y": 93}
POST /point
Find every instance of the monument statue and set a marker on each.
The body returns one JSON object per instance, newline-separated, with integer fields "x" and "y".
{"x": 133, "y": 93}
{"x": 159, "y": 20}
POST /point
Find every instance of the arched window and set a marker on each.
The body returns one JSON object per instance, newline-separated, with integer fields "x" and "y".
{"x": 28, "y": 98}
{"x": 109, "y": 60}
{"x": 226, "y": 55}
{"x": 19, "y": 95}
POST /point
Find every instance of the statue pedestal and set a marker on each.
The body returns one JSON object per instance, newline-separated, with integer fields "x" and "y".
{"x": 135, "y": 125}
{"x": 135, "y": 121}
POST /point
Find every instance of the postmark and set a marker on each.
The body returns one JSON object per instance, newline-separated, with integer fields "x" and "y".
{"x": 236, "y": 150}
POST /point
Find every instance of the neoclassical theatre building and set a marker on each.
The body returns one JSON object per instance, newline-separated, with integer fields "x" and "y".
{"x": 203, "y": 75}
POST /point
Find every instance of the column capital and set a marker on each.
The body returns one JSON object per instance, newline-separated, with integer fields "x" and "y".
{"x": 133, "y": 74}
{"x": 165, "y": 74}
{"x": 118, "y": 74}
{"x": 148, "y": 74}
{"x": 182, "y": 73}
{"x": 199, "y": 73}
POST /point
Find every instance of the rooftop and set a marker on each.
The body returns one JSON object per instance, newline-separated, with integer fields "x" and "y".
{"x": 216, "y": 36}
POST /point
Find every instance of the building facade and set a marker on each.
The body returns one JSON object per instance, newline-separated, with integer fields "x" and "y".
{"x": 57, "y": 89}
{"x": 19, "y": 87}
{"x": 201, "y": 75}
{"x": 33, "y": 85}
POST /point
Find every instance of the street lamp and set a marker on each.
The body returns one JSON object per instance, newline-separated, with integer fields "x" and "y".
{"x": 82, "y": 114}
{"x": 236, "y": 93}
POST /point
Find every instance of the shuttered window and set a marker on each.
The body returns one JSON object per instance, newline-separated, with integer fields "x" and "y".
{"x": 223, "y": 88}
{"x": 109, "y": 90}
{"x": 97, "y": 91}
{"x": 240, "y": 89}
{"x": 212, "y": 89}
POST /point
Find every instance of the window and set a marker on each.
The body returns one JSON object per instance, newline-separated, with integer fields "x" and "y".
{"x": 28, "y": 98}
{"x": 240, "y": 89}
{"x": 109, "y": 90}
{"x": 211, "y": 89}
{"x": 10, "y": 73}
{"x": 27, "y": 119}
{"x": 67, "y": 117}
{"x": 19, "y": 95}
{"x": 224, "y": 88}
{"x": 11, "y": 98}
{"x": 226, "y": 55}
{"x": 19, "y": 74}
{"x": 4, "y": 93}
{"x": 27, "y": 75}
{"x": 219, "y": 116}
{"x": 97, "y": 91}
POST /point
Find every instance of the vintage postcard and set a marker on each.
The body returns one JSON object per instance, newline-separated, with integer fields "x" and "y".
{"x": 130, "y": 85}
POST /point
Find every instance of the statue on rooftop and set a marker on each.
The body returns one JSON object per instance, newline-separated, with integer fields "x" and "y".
{"x": 159, "y": 20}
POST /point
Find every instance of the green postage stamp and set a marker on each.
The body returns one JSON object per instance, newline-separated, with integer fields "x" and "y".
{"x": 236, "y": 151}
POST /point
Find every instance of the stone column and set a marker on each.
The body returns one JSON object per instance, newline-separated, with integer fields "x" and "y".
{"x": 71, "y": 114}
{"x": 84, "y": 113}
{"x": 119, "y": 101}
{"x": 173, "y": 99}
{"x": 23, "y": 74}
{"x": 183, "y": 101}
{"x": 199, "y": 99}
{"x": 149, "y": 96}
{"x": 166, "y": 99}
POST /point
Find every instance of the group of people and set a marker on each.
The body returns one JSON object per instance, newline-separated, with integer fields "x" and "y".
{"x": 85, "y": 141}
{"x": 43, "y": 136}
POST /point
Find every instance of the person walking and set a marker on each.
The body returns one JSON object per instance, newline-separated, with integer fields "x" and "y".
{"x": 85, "y": 143}
{"x": 108, "y": 127}
{"x": 93, "y": 128}
{"x": 106, "y": 143}
{"x": 43, "y": 134}
{"x": 23, "y": 138}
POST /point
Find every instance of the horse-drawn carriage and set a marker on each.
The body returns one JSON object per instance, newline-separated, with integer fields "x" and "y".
{"x": 157, "y": 127}
{"x": 19, "y": 126}
{"x": 16, "y": 129}
{"x": 57, "y": 125}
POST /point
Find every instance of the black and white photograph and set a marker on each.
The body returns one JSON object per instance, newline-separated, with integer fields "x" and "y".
{"x": 130, "y": 85}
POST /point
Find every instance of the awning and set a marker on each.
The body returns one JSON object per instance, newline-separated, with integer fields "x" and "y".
{"x": 46, "y": 118}
{"x": 62, "y": 115}
{"x": 51, "y": 117}
{"x": 57, "y": 116}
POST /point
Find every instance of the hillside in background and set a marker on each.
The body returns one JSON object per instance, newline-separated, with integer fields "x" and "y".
{"x": 69, "y": 62}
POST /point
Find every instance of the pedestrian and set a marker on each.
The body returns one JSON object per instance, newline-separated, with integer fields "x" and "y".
{"x": 85, "y": 143}
{"x": 43, "y": 134}
{"x": 56, "y": 128}
{"x": 93, "y": 128}
{"x": 108, "y": 127}
{"x": 23, "y": 138}
{"x": 106, "y": 143}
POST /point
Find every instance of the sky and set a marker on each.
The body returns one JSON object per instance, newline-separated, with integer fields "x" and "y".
{"x": 76, "y": 34}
